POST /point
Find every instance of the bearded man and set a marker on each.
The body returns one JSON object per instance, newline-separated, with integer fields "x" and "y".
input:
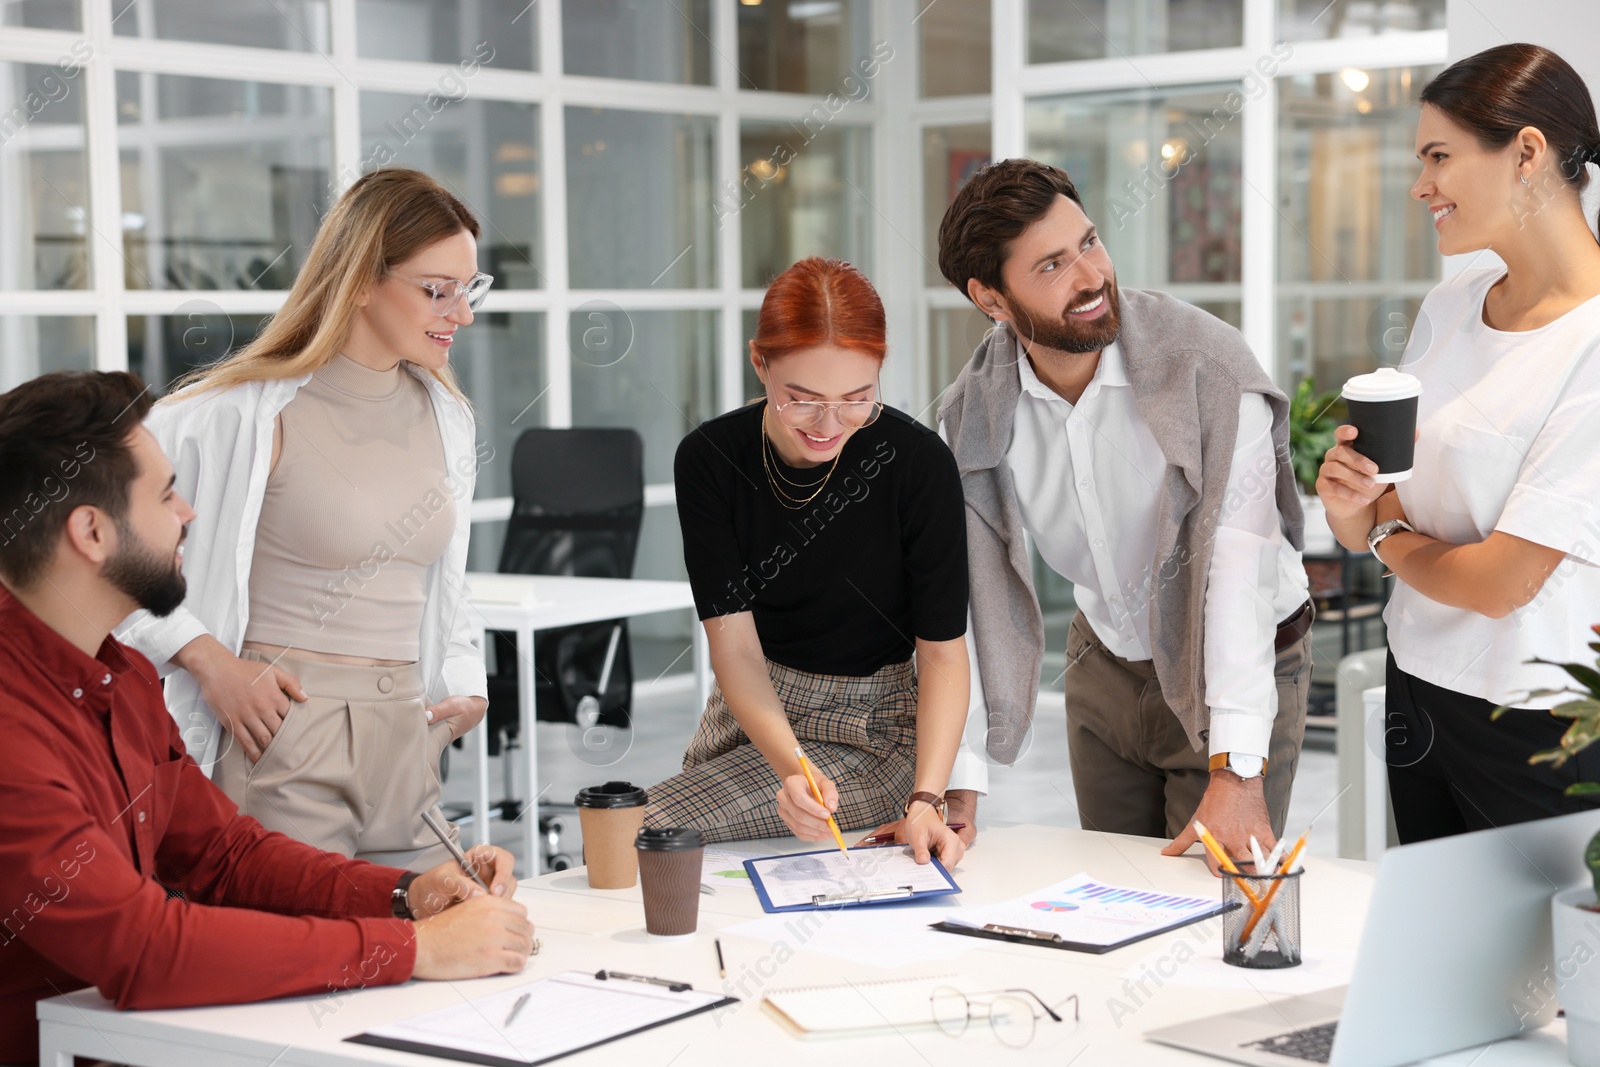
{"x": 1140, "y": 445}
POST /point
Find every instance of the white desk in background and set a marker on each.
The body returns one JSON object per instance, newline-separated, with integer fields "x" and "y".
{"x": 524, "y": 604}
{"x": 591, "y": 929}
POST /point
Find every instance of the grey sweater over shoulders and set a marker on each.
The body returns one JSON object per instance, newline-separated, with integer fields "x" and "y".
{"x": 1188, "y": 371}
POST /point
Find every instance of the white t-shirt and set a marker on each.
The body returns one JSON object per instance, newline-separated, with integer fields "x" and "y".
{"x": 1510, "y": 441}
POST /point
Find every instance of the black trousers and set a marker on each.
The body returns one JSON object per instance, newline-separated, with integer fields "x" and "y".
{"x": 1451, "y": 770}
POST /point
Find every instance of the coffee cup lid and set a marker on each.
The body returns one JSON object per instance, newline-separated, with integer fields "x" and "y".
{"x": 611, "y": 795}
{"x": 1385, "y": 383}
{"x": 669, "y": 839}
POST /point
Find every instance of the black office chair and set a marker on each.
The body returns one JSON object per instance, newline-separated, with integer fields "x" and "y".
{"x": 577, "y": 505}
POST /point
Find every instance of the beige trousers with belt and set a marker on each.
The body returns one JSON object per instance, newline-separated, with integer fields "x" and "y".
{"x": 350, "y": 770}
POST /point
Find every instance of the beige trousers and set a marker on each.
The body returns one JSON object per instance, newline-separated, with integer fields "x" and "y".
{"x": 350, "y": 770}
{"x": 1133, "y": 769}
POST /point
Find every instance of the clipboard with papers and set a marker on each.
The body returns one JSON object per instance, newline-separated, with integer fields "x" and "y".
{"x": 545, "y": 1020}
{"x": 827, "y": 878}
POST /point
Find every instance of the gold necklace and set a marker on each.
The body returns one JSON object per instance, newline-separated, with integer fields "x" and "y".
{"x": 793, "y": 503}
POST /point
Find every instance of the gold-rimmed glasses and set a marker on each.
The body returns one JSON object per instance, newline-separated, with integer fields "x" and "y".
{"x": 447, "y": 293}
{"x": 1010, "y": 1012}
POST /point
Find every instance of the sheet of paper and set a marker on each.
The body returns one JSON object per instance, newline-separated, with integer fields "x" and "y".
{"x": 872, "y": 937}
{"x": 724, "y": 866}
{"x": 798, "y": 878}
{"x": 1084, "y": 910}
{"x": 564, "y": 1013}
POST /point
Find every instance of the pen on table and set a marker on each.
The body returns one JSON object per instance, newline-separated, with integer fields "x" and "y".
{"x": 455, "y": 849}
{"x": 722, "y": 968}
{"x": 515, "y": 1008}
{"x": 707, "y": 890}
{"x": 884, "y": 839}
{"x": 805, "y": 768}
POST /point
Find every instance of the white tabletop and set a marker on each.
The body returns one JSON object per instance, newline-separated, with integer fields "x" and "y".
{"x": 1167, "y": 979}
{"x": 559, "y": 601}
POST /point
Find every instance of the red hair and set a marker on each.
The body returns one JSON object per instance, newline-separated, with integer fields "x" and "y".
{"x": 820, "y": 302}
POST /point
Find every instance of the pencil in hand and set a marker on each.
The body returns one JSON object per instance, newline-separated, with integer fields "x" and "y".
{"x": 805, "y": 768}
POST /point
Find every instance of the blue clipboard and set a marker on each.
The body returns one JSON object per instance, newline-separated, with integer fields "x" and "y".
{"x": 849, "y": 896}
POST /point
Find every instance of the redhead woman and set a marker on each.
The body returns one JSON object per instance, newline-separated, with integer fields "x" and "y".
{"x": 826, "y": 543}
{"x": 1495, "y": 539}
{"x": 329, "y": 463}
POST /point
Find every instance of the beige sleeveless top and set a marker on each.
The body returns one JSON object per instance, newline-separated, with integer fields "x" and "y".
{"x": 356, "y": 509}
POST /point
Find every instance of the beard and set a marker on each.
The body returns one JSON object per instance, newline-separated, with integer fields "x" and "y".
{"x": 152, "y": 581}
{"x": 1059, "y": 331}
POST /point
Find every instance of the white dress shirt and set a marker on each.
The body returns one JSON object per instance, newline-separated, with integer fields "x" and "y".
{"x": 1508, "y": 439}
{"x": 1088, "y": 480}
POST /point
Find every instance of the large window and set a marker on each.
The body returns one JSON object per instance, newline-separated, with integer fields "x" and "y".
{"x": 642, "y": 169}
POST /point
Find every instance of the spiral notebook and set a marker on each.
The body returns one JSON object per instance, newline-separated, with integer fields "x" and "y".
{"x": 856, "y": 1008}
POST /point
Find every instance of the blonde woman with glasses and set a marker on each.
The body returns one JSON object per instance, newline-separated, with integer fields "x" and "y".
{"x": 330, "y": 463}
{"x": 825, "y": 539}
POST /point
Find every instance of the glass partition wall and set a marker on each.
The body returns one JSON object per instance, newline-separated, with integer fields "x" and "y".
{"x": 643, "y": 169}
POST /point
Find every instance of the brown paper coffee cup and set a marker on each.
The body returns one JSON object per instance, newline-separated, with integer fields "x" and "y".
{"x": 610, "y": 816}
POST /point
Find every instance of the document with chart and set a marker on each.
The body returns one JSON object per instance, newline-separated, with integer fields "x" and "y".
{"x": 1082, "y": 914}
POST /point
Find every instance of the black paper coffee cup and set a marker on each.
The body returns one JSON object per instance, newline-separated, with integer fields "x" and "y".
{"x": 1383, "y": 409}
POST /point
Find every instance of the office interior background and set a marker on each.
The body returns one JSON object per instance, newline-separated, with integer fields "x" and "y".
{"x": 642, "y": 169}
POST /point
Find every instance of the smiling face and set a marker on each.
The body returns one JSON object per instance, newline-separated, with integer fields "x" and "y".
{"x": 1470, "y": 190}
{"x": 824, "y": 373}
{"x": 1060, "y": 289}
{"x": 147, "y": 566}
{"x": 396, "y": 320}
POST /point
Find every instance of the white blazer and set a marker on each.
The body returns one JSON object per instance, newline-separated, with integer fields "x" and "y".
{"x": 220, "y": 445}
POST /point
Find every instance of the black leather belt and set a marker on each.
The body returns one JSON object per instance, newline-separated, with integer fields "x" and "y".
{"x": 1294, "y": 627}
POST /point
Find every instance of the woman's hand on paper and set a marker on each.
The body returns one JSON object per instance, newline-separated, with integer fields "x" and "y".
{"x": 926, "y": 834}
{"x": 800, "y": 811}
{"x": 446, "y": 885}
{"x": 961, "y": 806}
{"x": 462, "y": 713}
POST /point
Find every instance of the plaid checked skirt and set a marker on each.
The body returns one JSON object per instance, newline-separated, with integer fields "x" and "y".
{"x": 859, "y": 731}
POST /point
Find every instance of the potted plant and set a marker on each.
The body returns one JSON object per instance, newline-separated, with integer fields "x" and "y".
{"x": 1573, "y": 912}
{"x": 1313, "y": 417}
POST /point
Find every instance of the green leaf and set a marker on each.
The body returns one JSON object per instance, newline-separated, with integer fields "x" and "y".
{"x": 1577, "y": 709}
{"x": 1553, "y": 756}
{"x": 1587, "y": 677}
{"x": 1584, "y": 789}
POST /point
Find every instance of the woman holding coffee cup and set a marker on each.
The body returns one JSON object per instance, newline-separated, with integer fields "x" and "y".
{"x": 825, "y": 539}
{"x": 1494, "y": 536}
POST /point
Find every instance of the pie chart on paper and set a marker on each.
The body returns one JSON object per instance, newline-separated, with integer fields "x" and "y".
{"x": 1053, "y": 905}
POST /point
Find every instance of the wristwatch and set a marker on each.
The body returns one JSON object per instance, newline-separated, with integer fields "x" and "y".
{"x": 1381, "y": 532}
{"x": 933, "y": 800}
{"x": 1245, "y": 766}
{"x": 399, "y": 899}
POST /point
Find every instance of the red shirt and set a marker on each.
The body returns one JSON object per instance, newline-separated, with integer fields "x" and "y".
{"x": 101, "y": 807}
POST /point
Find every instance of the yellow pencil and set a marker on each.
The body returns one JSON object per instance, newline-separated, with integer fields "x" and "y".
{"x": 1272, "y": 890}
{"x": 1224, "y": 861}
{"x": 805, "y": 769}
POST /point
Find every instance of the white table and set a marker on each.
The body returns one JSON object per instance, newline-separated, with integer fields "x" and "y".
{"x": 551, "y": 602}
{"x": 589, "y": 929}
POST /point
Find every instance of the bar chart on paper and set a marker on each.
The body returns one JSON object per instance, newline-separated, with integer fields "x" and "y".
{"x": 1087, "y": 912}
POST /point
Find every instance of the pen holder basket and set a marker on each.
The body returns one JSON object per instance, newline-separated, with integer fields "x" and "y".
{"x": 1264, "y": 932}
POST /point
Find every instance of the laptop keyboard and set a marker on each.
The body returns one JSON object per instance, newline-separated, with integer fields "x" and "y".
{"x": 1314, "y": 1044}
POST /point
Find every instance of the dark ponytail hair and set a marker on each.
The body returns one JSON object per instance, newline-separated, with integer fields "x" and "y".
{"x": 1500, "y": 90}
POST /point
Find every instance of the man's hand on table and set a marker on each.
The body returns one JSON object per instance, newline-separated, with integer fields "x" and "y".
{"x": 1232, "y": 808}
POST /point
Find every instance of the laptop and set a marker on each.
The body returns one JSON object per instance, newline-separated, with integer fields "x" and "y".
{"x": 1456, "y": 953}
